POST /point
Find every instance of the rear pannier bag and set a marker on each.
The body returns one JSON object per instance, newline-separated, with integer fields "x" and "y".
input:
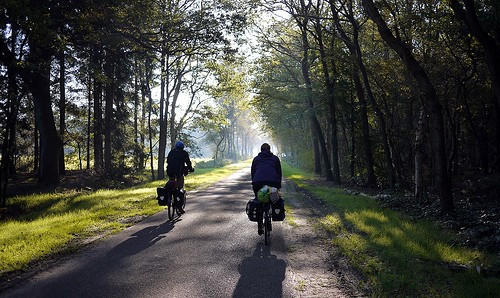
{"x": 254, "y": 210}
{"x": 162, "y": 196}
{"x": 278, "y": 210}
{"x": 179, "y": 198}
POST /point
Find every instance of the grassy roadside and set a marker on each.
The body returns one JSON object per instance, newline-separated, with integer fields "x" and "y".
{"x": 398, "y": 256}
{"x": 52, "y": 223}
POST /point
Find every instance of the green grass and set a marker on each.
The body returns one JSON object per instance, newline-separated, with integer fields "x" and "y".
{"x": 290, "y": 218}
{"x": 398, "y": 256}
{"x": 52, "y": 223}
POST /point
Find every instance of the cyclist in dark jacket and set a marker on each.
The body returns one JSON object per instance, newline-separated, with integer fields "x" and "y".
{"x": 177, "y": 160}
{"x": 177, "y": 163}
{"x": 266, "y": 169}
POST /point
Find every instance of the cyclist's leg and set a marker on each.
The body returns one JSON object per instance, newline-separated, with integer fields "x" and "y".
{"x": 256, "y": 187}
{"x": 180, "y": 181}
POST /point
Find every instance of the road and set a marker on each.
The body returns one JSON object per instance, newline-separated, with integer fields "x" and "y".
{"x": 212, "y": 251}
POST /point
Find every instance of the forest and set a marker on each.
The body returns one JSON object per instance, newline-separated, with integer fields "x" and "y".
{"x": 385, "y": 116}
{"x": 400, "y": 95}
{"x": 98, "y": 85}
{"x": 392, "y": 95}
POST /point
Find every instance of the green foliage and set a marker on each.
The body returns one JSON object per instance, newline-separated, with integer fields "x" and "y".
{"x": 451, "y": 57}
{"x": 230, "y": 115}
{"x": 398, "y": 256}
{"x": 213, "y": 163}
{"x": 53, "y": 223}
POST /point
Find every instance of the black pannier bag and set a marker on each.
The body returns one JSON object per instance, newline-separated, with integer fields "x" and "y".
{"x": 254, "y": 209}
{"x": 278, "y": 209}
{"x": 179, "y": 197}
{"x": 162, "y": 196}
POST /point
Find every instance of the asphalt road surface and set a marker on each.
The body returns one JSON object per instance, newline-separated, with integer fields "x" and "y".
{"x": 213, "y": 250}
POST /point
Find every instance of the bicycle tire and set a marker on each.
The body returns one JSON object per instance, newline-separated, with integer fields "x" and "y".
{"x": 267, "y": 232}
{"x": 185, "y": 199}
{"x": 183, "y": 206}
{"x": 171, "y": 209}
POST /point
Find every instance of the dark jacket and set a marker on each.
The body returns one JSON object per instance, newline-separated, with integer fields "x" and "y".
{"x": 175, "y": 162}
{"x": 266, "y": 168}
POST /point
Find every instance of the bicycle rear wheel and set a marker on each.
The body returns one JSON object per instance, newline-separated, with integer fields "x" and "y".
{"x": 171, "y": 208}
{"x": 178, "y": 208}
{"x": 267, "y": 225}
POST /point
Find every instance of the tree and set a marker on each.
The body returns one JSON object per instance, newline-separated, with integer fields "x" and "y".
{"x": 40, "y": 37}
{"x": 466, "y": 13}
{"x": 301, "y": 14}
{"x": 431, "y": 104}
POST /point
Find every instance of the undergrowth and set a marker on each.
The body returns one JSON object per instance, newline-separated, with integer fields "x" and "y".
{"x": 398, "y": 256}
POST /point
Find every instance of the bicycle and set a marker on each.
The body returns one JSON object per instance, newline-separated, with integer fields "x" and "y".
{"x": 173, "y": 197}
{"x": 176, "y": 199}
{"x": 264, "y": 213}
{"x": 267, "y": 218}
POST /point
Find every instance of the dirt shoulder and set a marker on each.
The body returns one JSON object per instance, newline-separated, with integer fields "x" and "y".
{"x": 315, "y": 270}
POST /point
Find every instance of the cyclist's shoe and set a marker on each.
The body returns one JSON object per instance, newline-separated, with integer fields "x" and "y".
{"x": 260, "y": 231}
{"x": 181, "y": 211}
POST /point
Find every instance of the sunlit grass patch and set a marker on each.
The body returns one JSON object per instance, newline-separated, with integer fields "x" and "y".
{"x": 331, "y": 223}
{"x": 290, "y": 219}
{"x": 49, "y": 222}
{"x": 400, "y": 257}
{"x": 295, "y": 174}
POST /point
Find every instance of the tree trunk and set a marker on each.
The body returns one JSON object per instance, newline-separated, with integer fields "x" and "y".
{"x": 356, "y": 54}
{"x": 419, "y": 142}
{"x": 173, "y": 130}
{"x": 490, "y": 46}
{"x": 36, "y": 151}
{"x": 381, "y": 119}
{"x": 317, "y": 154}
{"x": 8, "y": 145}
{"x": 496, "y": 162}
{"x": 479, "y": 132}
{"x": 79, "y": 155}
{"x": 431, "y": 105}
{"x": 98, "y": 153}
{"x": 352, "y": 121}
{"x": 331, "y": 103}
{"x": 365, "y": 128}
{"x": 50, "y": 142}
{"x": 89, "y": 119}
{"x": 62, "y": 109}
{"x": 315, "y": 126}
{"x": 142, "y": 160}
{"x": 491, "y": 49}
{"x": 149, "y": 75}
{"x": 162, "y": 143}
{"x": 109, "y": 70}
{"x": 137, "y": 152}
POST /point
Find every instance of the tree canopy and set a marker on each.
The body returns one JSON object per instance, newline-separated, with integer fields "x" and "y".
{"x": 393, "y": 94}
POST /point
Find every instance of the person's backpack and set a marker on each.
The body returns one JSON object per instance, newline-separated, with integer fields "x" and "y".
{"x": 254, "y": 209}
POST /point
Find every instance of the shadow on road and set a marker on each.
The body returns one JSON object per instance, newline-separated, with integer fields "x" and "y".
{"x": 141, "y": 240}
{"x": 261, "y": 274}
